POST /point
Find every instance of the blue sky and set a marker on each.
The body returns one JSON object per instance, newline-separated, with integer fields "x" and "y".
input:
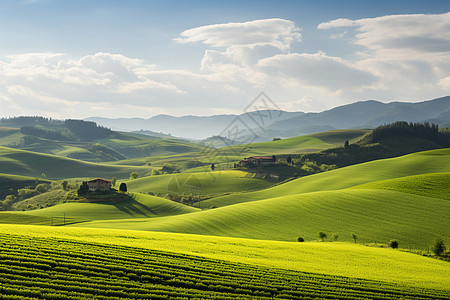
{"x": 142, "y": 58}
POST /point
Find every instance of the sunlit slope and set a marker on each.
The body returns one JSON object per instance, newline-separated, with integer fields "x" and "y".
{"x": 20, "y": 162}
{"x": 413, "y": 164}
{"x": 137, "y": 206}
{"x": 203, "y": 183}
{"x": 299, "y": 144}
{"x": 374, "y": 215}
{"x": 338, "y": 137}
{"x": 436, "y": 185}
{"x": 342, "y": 259}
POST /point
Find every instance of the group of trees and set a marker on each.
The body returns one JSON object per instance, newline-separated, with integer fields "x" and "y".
{"x": 438, "y": 247}
{"x": 45, "y": 133}
{"x": 424, "y": 130}
{"x": 23, "y": 194}
{"x": 86, "y": 130}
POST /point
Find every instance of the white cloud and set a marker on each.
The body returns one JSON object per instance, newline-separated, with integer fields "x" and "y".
{"x": 331, "y": 73}
{"x": 398, "y": 57}
{"x": 278, "y": 33}
{"x": 336, "y": 24}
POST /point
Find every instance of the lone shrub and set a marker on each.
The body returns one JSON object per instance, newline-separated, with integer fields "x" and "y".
{"x": 393, "y": 244}
{"x": 322, "y": 235}
{"x": 123, "y": 187}
{"x": 354, "y": 236}
{"x": 300, "y": 239}
{"x": 438, "y": 246}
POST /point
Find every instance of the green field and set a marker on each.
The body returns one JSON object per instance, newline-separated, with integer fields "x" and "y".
{"x": 203, "y": 183}
{"x": 27, "y": 163}
{"x": 389, "y": 267}
{"x": 413, "y": 164}
{"x": 132, "y": 206}
{"x": 296, "y": 145}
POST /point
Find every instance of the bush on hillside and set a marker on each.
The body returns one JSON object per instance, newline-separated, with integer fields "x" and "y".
{"x": 300, "y": 239}
{"x": 393, "y": 244}
{"x": 438, "y": 247}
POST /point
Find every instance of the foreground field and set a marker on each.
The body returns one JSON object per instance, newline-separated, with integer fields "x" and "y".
{"x": 336, "y": 259}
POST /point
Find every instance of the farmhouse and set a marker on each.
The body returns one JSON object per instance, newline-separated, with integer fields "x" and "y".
{"x": 99, "y": 184}
{"x": 257, "y": 160}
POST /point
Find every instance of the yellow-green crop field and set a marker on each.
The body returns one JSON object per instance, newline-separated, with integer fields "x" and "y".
{"x": 388, "y": 267}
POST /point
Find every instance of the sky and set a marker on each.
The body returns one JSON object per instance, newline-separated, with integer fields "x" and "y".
{"x": 78, "y": 59}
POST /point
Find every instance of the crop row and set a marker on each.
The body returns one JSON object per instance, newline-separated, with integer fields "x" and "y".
{"x": 48, "y": 268}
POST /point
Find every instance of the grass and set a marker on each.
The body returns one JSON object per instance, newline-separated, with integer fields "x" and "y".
{"x": 436, "y": 185}
{"x": 206, "y": 183}
{"x": 288, "y": 217}
{"x": 296, "y": 145}
{"x": 27, "y": 163}
{"x": 413, "y": 164}
{"x": 132, "y": 206}
{"x": 337, "y": 259}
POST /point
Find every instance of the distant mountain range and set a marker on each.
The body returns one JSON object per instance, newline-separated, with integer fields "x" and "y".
{"x": 267, "y": 124}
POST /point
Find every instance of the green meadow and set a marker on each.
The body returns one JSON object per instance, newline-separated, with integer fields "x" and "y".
{"x": 203, "y": 183}
{"x": 27, "y": 163}
{"x": 238, "y": 235}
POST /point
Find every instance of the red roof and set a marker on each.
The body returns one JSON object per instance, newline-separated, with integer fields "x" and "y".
{"x": 99, "y": 179}
{"x": 261, "y": 157}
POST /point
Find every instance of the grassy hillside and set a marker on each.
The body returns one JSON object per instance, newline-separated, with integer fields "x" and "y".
{"x": 337, "y": 259}
{"x": 436, "y": 185}
{"x": 412, "y": 164}
{"x": 133, "y": 206}
{"x": 205, "y": 183}
{"x": 20, "y": 162}
{"x": 117, "y": 146}
{"x": 391, "y": 215}
{"x": 15, "y": 182}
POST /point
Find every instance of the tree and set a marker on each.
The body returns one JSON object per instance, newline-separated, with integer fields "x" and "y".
{"x": 43, "y": 175}
{"x": 335, "y": 236}
{"x": 155, "y": 172}
{"x": 213, "y": 167}
{"x": 300, "y": 239}
{"x": 354, "y": 236}
{"x": 83, "y": 189}
{"x": 438, "y": 247}
{"x": 346, "y": 144}
{"x": 134, "y": 175}
{"x": 113, "y": 181}
{"x": 289, "y": 160}
{"x": 123, "y": 187}
{"x": 322, "y": 235}
{"x": 393, "y": 244}
{"x": 42, "y": 188}
{"x": 64, "y": 184}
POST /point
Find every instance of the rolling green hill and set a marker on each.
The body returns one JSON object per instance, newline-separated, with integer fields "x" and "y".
{"x": 412, "y": 164}
{"x": 27, "y": 163}
{"x": 391, "y": 215}
{"x": 292, "y": 209}
{"x": 134, "y": 206}
{"x": 204, "y": 183}
{"x": 118, "y": 146}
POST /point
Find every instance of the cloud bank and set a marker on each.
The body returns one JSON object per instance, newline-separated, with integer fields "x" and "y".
{"x": 397, "y": 57}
